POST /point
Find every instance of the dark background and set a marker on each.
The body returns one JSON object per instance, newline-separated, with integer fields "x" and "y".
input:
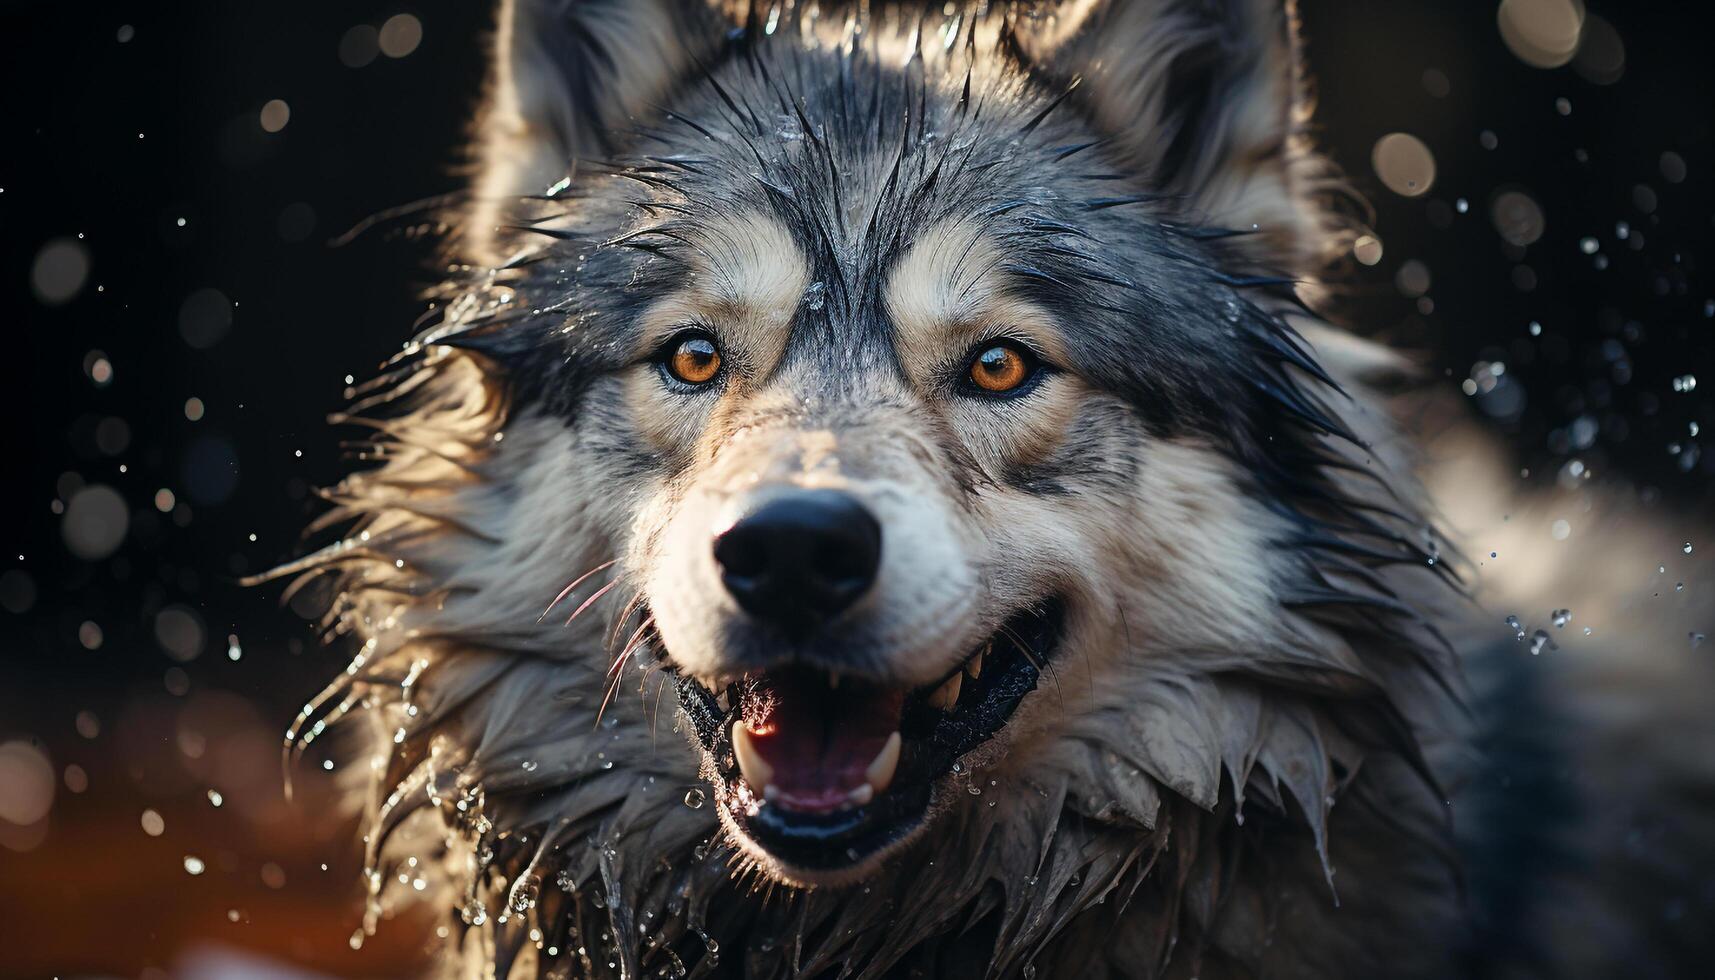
{"x": 133, "y": 135}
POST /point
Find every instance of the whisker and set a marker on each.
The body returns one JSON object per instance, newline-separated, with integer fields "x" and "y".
{"x": 1042, "y": 666}
{"x": 631, "y": 606}
{"x": 655, "y": 716}
{"x": 604, "y": 590}
{"x": 575, "y": 583}
{"x": 630, "y": 645}
{"x": 617, "y": 672}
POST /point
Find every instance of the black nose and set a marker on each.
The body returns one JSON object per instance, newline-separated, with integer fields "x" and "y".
{"x": 801, "y": 558}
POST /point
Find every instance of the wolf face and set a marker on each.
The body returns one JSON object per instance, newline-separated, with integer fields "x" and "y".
{"x": 933, "y": 383}
{"x": 891, "y": 370}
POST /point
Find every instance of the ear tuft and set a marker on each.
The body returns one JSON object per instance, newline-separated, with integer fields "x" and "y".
{"x": 568, "y": 78}
{"x": 1203, "y": 98}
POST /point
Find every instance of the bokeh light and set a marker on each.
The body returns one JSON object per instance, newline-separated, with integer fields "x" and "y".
{"x": 1517, "y": 217}
{"x": 60, "y": 270}
{"x": 359, "y": 46}
{"x": 1367, "y": 249}
{"x": 1601, "y": 57}
{"x": 1404, "y": 164}
{"x": 26, "y": 783}
{"x": 95, "y": 522}
{"x": 400, "y": 35}
{"x": 1541, "y": 33}
{"x": 204, "y": 317}
{"x": 180, "y": 632}
{"x": 275, "y": 115}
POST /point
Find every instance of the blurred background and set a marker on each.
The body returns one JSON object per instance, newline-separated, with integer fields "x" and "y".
{"x": 185, "y": 304}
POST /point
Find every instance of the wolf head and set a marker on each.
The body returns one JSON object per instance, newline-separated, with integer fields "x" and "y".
{"x": 903, "y": 402}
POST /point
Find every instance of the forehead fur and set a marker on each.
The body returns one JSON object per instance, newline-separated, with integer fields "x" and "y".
{"x": 872, "y": 180}
{"x": 749, "y": 261}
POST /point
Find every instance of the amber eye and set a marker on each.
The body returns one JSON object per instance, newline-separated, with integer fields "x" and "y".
{"x": 1000, "y": 368}
{"x": 695, "y": 360}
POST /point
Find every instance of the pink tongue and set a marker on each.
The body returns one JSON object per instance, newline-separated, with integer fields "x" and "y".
{"x": 818, "y": 740}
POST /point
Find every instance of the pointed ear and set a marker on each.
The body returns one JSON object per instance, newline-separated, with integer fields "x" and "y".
{"x": 567, "y": 76}
{"x": 1201, "y": 98}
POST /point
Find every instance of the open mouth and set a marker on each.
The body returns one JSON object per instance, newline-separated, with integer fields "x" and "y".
{"x": 822, "y": 771}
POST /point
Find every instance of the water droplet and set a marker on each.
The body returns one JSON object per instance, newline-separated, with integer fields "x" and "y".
{"x": 215, "y": 798}
{"x": 524, "y": 892}
{"x": 1562, "y": 617}
{"x": 1518, "y": 628}
{"x": 194, "y": 865}
{"x": 694, "y": 799}
{"x": 1540, "y": 641}
{"x": 1687, "y": 548}
{"x": 530, "y": 765}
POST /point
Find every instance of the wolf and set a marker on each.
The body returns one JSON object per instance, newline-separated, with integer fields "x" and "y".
{"x": 876, "y": 497}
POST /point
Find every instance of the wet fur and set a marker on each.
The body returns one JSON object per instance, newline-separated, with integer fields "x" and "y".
{"x": 1241, "y": 762}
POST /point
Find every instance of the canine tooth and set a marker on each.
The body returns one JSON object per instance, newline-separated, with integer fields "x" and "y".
{"x": 863, "y": 794}
{"x": 880, "y": 772}
{"x": 975, "y": 666}
{"x": 947, "y": 695}
{"x": 756, "y": 772}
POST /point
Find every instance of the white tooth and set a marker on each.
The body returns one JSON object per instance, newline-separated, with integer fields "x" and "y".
{"x": 975, "y": 666}
{"x": 880, "y": 772}
{"x": 863, "y": 794}
{"x": 757, "y": 773}
{"x": 947, "y": 694}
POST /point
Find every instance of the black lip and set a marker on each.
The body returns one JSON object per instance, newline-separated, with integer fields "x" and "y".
{"x": 933, "y": 741}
